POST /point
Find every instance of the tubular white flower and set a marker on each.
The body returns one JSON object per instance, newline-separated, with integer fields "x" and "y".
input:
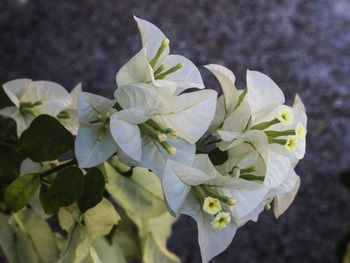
{"x": 69, "y": 116}
{"x": 171, "y": 74}
{"x": 33, "y": 98}
{"x": 94, "y": 143}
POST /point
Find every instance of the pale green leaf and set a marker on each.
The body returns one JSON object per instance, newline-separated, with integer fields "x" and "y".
{"x": 40, "y": 234}
{"x": 140, "y": 194}
{"x": 83, "y": 229}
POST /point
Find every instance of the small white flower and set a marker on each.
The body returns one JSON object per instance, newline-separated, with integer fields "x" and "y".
{"x": 148, "y": 123}
{"x": 285, "y": 115}
{"x": 212, "y": 205}
{"x": 69, "y": 117}
{"x": 291, "y": 143}
{"x": 171, "y": 74}
{"x": 94, "y": 143}
{"x": 221, "y": 220}
{"x": 33, "y": 98}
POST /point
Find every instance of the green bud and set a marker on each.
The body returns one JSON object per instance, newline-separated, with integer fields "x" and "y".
{"x": 161, "y": 49}
{"x": 169, "y": 148}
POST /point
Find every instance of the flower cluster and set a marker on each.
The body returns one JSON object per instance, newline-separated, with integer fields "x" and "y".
{"x": 220, "y": 160}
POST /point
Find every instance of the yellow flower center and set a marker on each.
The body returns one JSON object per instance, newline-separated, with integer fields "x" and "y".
{"x": 285, "y": 115}
{"x": 211, "y": 205}
{"x": 291, "y": 143}
{"x": 221, "y": 220}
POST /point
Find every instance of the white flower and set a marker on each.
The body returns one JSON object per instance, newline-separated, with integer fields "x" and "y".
{"x": 69, "y": 117}
{"x": 185, "y": 192}
{"x": 171, "y": 74}
{"x": 148, "y": 124}
{"x": 33, "y": 98}
{"x": 94, "y": 143}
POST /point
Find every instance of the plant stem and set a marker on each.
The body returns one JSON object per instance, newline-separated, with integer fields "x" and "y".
{"x": 58, "y": 168}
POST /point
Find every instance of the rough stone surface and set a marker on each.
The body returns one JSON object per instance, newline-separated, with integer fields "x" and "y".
{"x": 303, "y": 45}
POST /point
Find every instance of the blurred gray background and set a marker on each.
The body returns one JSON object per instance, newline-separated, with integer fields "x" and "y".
{"x": 303, "y": 45}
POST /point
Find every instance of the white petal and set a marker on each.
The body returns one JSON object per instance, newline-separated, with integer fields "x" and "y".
{"x": 127, "y": 136}
{"x": 22, "y": 122}
{"x": 282, "y": 203}
{"x": 211, "y": 241}
{"x": 15, "y": 89}
{"x": 239, "y": 119}
{"x": 277, "y": 170}
{"x": 136, "y": 70}
{"x": 203, "y": 163}
{"x": 189, "y": 114}
{"x": 88, "y": 150}
{"x": 263, "y": 93}
{"x": 175, "y": 190}
{"x": 89, "y": 105}
{"x": 71, "y": 124}
{"x": 55, "y": 98}
{"x": 190, "y": 175}
{"x": 186, "y": 77}
{"x": 227, "y": 81}
{"x": 165, "y": 87}
{"x": 142, "y": 95}
{"x": 298, "y": 104}
{"x": 74, "y": 96}
{"x": 220, "y": 114}
{"x": 247, "y": 201}
{"x": 134, "y": 115}
{"x": 154, "y": 156}
{"x": 152, "y": 37}
{"x": 287, "y": 185}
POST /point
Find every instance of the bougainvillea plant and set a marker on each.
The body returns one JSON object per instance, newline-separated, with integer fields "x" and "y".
{"x": 86, "y": 178}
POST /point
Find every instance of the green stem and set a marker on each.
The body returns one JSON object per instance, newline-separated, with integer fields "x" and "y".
{"x": 274, "y": 134}
{"x": 265, "y": 125}
{"x": 251, "y": 177}
{"x": 58, "y": 168}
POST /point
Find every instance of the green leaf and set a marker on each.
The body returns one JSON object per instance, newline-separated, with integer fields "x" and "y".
{"x": 13, "y": 239}
{"x": 347, "y": 255}
{"x": 109, "y": 252}
{"x": 140, "y": 194}
{"x": 127, "y": 237}
{"x": 8, "y": 130}
{"x": 4, "y": 99}
{"x": 67, "y": 187}
{"x": 154, "y": 234}
{"x": 345, "y": 178}
{"x": 46, "y": 201}
{"x": 342, "y": 247}
{"x": 46, "y": 139}
{"x": 83, "y": 229}
{"x": 7, "y": 240}
{"x": 21, "y": 190}
{"x": 217, "y": 156}
{"x": 10, "y": 162}
{"x": 94, "y": 186}
{"x": 40, "y": 234}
